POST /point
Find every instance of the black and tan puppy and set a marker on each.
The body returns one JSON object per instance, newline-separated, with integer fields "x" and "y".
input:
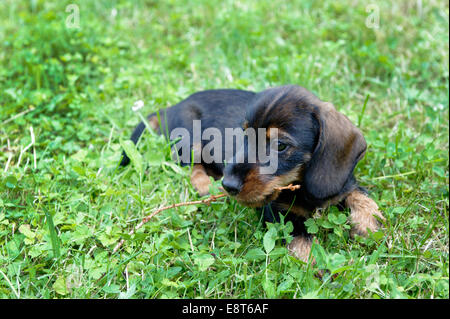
{"x": 316, "y": 147}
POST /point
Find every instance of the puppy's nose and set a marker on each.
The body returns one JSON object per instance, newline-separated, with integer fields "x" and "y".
{"x": 231, "y": 185}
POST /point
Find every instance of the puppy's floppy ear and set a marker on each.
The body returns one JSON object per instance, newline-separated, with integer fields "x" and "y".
{"x": 339, "y": 148}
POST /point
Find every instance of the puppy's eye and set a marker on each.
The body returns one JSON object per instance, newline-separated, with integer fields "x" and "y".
{"x": 281, "y": 147}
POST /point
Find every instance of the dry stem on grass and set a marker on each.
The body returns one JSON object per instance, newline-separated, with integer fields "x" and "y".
{"x": 205, "y": 201}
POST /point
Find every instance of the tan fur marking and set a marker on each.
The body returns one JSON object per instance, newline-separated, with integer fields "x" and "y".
{"x": 363, "y": 209}
{"x": 273, "y": 132}
{"x": 259, "y": 188}
{"x": 153, "y": 122}
{"x": 197, "y": 148}
{"x": 268, "y": 132}
{"x": 300, "y": 247}
{"x": 245, "y": 125}
{"x": 200, "y": 180}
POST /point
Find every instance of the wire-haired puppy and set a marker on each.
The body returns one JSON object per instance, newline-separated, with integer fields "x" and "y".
{"x": 312, "y": 145}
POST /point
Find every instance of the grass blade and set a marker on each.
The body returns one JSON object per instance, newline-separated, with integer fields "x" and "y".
{"x": 53, "y": 235}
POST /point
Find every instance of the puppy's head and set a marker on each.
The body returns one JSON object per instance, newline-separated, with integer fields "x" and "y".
{"x": 313, "y": 145}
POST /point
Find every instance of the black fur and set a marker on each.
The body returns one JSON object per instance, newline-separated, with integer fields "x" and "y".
{"x": 323, "y": 142}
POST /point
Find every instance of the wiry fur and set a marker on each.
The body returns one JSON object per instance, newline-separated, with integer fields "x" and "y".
{"x": 323, "y": 150}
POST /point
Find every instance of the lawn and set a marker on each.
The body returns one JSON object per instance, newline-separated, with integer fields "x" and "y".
{"x": 70, "y": 72}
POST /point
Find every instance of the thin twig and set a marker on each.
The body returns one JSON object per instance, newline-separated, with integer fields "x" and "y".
{"x": 17, "y": 115}
{"x": 289, "y": 187}
{"x": 205, "y": 201}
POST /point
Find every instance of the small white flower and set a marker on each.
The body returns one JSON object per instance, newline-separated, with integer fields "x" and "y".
{"x": 138, "y": 105}
{"x": 113, "y": 12}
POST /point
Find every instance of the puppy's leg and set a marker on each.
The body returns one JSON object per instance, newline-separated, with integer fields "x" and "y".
{"x": 200, "y": 180}
{"x": 153, "y": 122}
{"x": 362, "y": 213}
{"x": 300, "y": 248}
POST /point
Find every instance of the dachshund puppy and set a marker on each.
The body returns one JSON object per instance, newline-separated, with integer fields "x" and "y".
{"x": 315, "y": 147}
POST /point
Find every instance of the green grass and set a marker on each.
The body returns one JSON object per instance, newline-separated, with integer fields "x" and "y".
{"x": 64, "y": 203}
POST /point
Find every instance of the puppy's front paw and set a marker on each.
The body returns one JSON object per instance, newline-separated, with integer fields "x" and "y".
{"x": 363, "y": 212}
{"x": 201, "y": 184}
{"x": 300, "y": 248}
{"x": 200, "y": 180}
